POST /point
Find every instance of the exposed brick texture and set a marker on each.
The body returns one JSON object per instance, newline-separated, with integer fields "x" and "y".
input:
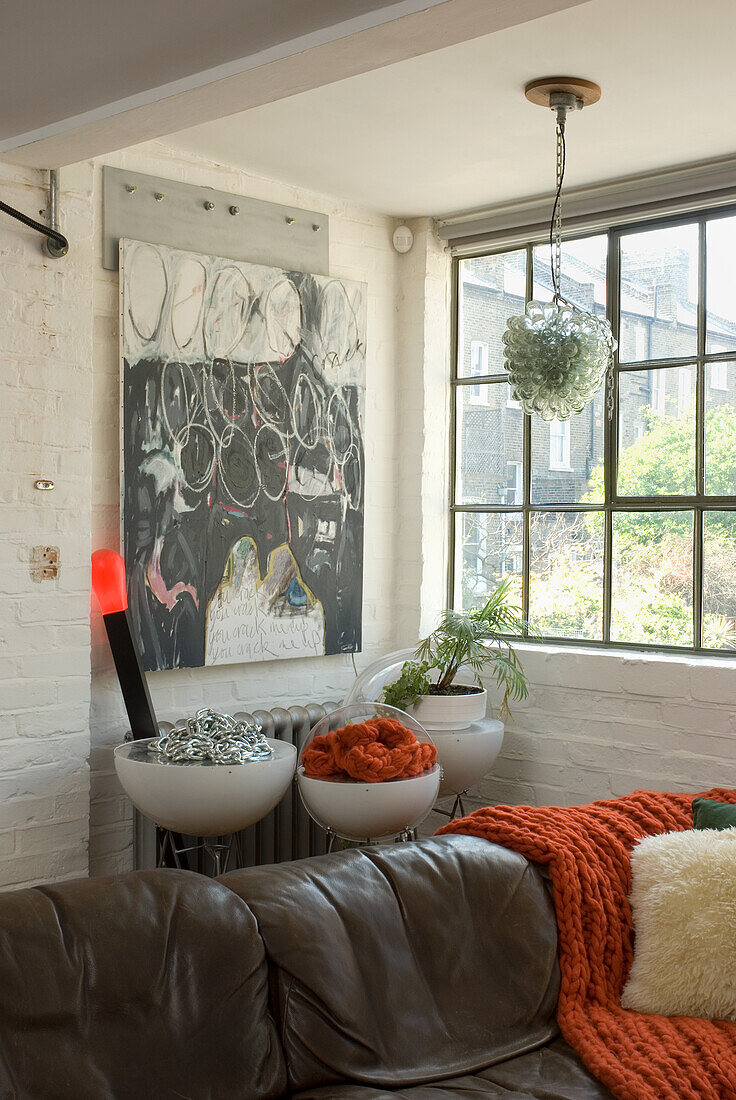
{"x": 598, "y": 724}
{"x": 45, "y": 426}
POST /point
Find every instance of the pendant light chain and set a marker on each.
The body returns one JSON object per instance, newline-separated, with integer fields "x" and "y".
{"x": 555, "y": 226}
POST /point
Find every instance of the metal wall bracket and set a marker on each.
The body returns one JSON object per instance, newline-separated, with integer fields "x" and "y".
{"x": 55, "y": 245}
{"x": 199, "y": 219}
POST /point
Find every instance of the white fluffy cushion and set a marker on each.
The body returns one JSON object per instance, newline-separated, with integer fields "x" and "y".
{"x": 683, "y": 899}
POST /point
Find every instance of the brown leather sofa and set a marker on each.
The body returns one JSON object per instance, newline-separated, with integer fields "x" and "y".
{"x": 423, "y": 971}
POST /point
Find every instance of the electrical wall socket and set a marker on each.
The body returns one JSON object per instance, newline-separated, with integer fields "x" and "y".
{"x": 45, "y": 562}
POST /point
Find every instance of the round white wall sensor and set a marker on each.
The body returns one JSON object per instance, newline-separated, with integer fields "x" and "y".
{"x": 403, "y": 238}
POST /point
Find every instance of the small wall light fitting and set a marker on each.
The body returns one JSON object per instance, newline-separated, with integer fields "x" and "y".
{"x": 44, "y": 484}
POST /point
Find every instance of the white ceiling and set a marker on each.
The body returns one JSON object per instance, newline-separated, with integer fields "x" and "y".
{"x": 451, "y": 130}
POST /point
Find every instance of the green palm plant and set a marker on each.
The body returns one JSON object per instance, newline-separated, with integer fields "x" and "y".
{"x": 476, "y": 639}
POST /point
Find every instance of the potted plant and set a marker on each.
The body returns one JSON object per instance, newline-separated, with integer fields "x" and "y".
{"x": 477, "y": 640}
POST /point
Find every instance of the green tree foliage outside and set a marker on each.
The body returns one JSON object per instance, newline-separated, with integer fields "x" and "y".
{"x": 653, "y": 567}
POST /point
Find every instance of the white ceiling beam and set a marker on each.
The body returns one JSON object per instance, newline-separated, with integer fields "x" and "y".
{"x": 354, "y": 46}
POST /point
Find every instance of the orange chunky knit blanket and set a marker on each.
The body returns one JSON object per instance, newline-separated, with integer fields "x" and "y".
{"x": 587, "y": 850}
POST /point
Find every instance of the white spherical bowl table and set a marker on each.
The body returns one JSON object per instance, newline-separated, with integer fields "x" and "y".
{"x": 466, "y": 755}
{"x": 369, "y": 811}
{"x": 354, "y": 810}
{"x": 203, "y": 799}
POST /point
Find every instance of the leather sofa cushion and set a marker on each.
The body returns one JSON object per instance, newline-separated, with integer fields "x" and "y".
{"x": 553, "y": 1072}
{"x": 147, "y": 985}
{"x": 405, "y": 964}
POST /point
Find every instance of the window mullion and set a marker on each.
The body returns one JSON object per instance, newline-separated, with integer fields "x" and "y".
{"x": 699, "y": 442}
{"x": 455, "y": 309}
{"x": 700, "y": 377}
{"x": 527, "y": 460}
{"x": 697, "y": 577}
{"x": 610, "y": 431}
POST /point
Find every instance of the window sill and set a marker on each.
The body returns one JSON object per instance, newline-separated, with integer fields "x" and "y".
{"x": 628, "y": 652}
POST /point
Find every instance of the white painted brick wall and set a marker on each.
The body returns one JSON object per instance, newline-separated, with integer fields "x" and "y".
{"x": 45, "y": 419}
{"x": 422, "y": 489}
{"x": 598, "y": 724}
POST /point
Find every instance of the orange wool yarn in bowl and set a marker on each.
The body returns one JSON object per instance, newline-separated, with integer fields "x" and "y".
{"x": 368, "y": 771}
{"x": 370, "y": 752}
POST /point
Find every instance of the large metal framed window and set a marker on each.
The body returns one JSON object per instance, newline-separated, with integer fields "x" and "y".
{"x": 617, "y": 531}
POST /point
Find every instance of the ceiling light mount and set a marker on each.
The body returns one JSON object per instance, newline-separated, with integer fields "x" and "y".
{"x": 548, "y": 91}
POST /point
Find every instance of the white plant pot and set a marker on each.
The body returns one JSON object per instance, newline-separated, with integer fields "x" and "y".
{"x": 449, "y": 712}
{"x": 467, "y": 755}
{"x": 369, "y": 811}
{"x": 204, "y": 799}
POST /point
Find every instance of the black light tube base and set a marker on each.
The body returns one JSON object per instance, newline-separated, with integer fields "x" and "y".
{"x": 131, "y": 675}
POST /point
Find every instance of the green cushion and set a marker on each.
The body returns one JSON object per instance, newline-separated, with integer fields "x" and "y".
{"x": 709, "y": 814}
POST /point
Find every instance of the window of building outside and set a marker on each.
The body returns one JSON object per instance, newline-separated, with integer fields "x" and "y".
{"x": 619, "y": 531}
{"x": 719, "y": 376}
{"x": 684, "y": 391}
{"x": 658, "y": 391}
{"x": 478, "y": 368}
{"x": 515, "y": 483}
{"x": 559, "y": 445}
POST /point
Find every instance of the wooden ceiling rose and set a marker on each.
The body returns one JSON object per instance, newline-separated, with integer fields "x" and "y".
{"x": 539, "y": 91}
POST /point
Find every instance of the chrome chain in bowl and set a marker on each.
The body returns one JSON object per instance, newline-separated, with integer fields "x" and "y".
{"x": 214, "y": 737}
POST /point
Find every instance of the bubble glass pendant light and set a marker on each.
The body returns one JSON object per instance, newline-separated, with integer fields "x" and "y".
{"x": 558, "y": 355}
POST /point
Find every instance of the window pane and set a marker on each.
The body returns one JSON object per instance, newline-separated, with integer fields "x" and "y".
{"x": 652, "y": 582}
{"x": 489, "y": 450}
{"x": 566, "y": 574}
{"x": 658, "y": 294}
{"x": 583, "y": 273}
{"x": 719, "y": 580}
{"x": 491, "y": 289}
{"x": 720, "y": 284}
{"x": 488, "y": 549}
{"x": 656, "y": 440}
{"x": 720, "y": 429}
{"x": 567, "y": 459}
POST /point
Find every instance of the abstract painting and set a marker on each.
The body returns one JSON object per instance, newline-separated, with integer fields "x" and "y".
{"x": 242, "y": 393}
